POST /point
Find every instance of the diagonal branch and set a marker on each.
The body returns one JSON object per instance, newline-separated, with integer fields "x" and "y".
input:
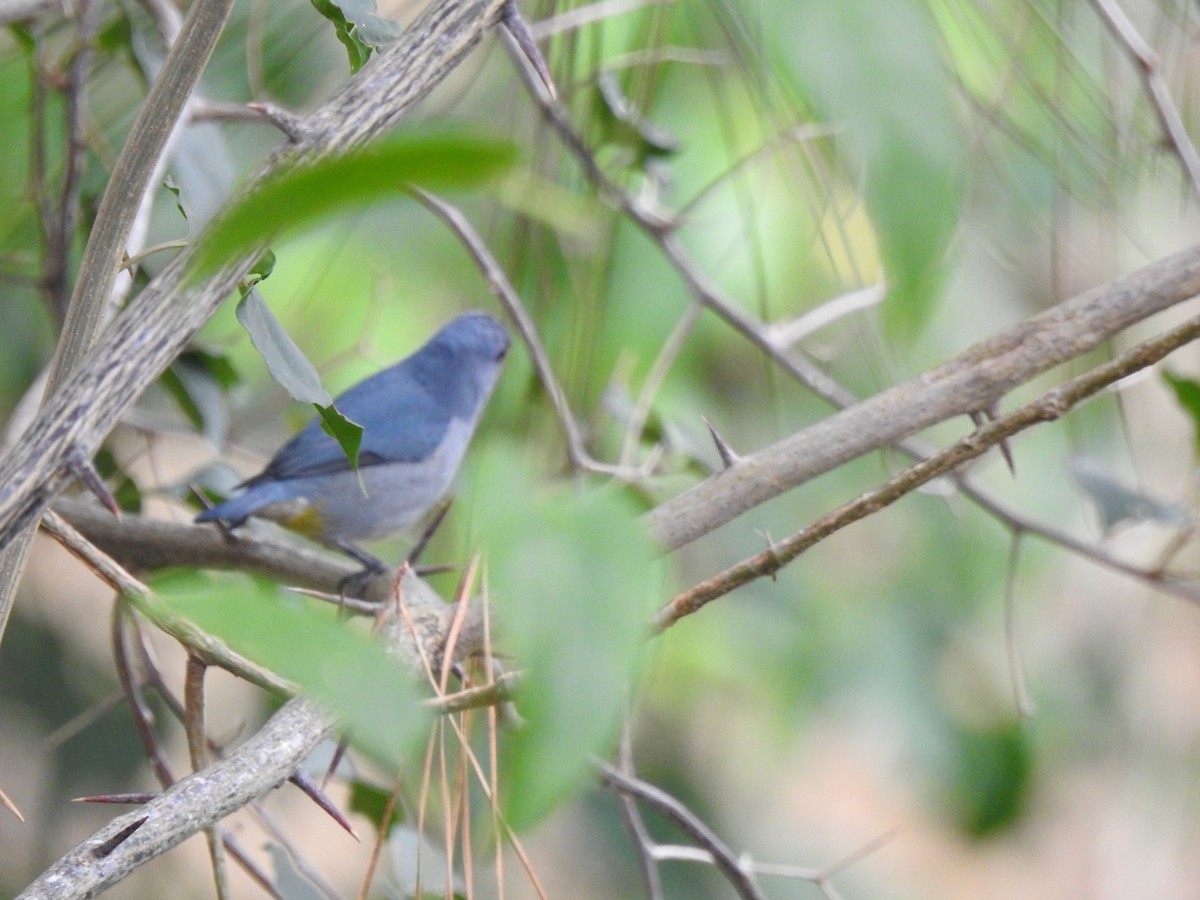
{"x": 163, "y": 318}
{"x": 263, "y": 762}
{"x": 1049, "y": 407}
{"x": 974, "y": 380}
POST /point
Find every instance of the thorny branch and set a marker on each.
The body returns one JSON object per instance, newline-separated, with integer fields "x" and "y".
{"x": 1049, "y": 407}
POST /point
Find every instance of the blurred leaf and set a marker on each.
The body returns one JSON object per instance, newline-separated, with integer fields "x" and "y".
{"x": 1117, "y": 503}
{"x": 303, "y": 194}
{"x": 198, "y": 381}
{"x": 286, "y": 362}
{"x": 989, "y": 780}
{"x": 371, "y": 801}
{"x": 574, "y": 577}
{"x": 1187, "y": 393}
{"x": 892, "y": 93}
{"x": 359, "y": 27}
{"x": 373, "y": 696}
{"x": 289, "y": 882}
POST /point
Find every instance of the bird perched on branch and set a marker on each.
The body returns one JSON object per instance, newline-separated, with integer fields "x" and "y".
{"x": 418, "y": 418}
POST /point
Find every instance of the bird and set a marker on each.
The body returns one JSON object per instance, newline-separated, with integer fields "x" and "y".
{"x": 418, "y": 417}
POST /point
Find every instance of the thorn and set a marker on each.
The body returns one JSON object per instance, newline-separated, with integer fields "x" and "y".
{"x": 104, "y": 849}
{"x": 303, "y": 780}
{"x": 85, "y": 471}
{"x": 10, "y": 806}
{"x": 729, "y": 456}
{"x": 979, "y": 417}
{"x": 426, "y": 571}
{"x": 338, "y": 752}
{"x": 133, "y": 799}
{"x": 771, "y": 549}
{"x": 518, "y": 29}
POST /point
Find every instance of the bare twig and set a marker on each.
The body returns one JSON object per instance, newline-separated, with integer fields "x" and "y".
{"x": 634, "y": 823}
{"x": 1164, "y": 107}
{"x": 197, "y": 739}
{"x": 61, "y": 231}
{"x": 587, "y": 15}
{"x": 723, "y": 858}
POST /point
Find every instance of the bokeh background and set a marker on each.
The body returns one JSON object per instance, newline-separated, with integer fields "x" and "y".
{"x": 862, "y": 707}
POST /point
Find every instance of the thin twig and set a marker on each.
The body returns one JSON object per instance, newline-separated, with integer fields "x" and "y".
{"x": 502, "y": 287}
{"x": 1164, "y": 107}
{"x": 643, "y": 843}
{"x": 193, "y": 691}
{"x": 62, "y": 229}
{"x": 723, "y": 858}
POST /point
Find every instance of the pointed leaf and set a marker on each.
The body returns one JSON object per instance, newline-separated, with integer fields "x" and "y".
{"x": 301, "y": 195}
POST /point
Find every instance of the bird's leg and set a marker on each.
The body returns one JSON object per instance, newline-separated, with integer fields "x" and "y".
{"x": 419, "y": 547}
{"x": 372, "y": 566}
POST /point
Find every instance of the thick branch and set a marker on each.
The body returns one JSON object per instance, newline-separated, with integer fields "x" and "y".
{"x": 263, "y": 762}
{"x": 162, "y": 319}
{"x": 1049, "y": 407}
{"x": 974, "y": 380}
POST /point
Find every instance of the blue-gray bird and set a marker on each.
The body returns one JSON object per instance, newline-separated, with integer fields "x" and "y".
{"x": 417, "y": 416}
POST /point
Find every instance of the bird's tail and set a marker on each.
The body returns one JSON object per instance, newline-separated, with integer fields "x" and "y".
{"x": 235, "y": 510}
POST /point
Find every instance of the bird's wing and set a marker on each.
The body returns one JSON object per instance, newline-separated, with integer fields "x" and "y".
{"x": 401, "y": 422}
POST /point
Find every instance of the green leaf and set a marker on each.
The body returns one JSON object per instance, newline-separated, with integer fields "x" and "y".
{"x": 346, "y": 432}
{"x": 300, "y": 196}
{"x": 359, "y": 27}
{"x": 988, "y": 782}
{"x": 285, "y": 361}
{"x": 289, "y": 366}
{"x": 893, "y": 95}
{"x": 574, "y": 577}
{"x": 170, "y": 184}
{"x": 262, "y": 269}
{"x": 373, "y": 696}
{"x": 1187, "y": 393}
{"x": 372, "y": 801}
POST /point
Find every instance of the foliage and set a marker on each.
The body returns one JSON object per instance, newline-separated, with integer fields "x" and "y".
{"x": 992, "y": 692}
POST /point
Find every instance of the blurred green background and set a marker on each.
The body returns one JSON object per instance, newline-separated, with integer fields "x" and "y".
{"x": 988, "y": 158}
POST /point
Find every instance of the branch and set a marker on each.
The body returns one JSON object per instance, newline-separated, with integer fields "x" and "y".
{"x": 1147, "y": 60}
{"x": 88, "y": 310}
{"x": 1049, "y": 407}
{"x": 974, "y": 380}
{"x": 157, "y": 325}
{"x": 723, "y": 858}
{"x": 263, "y": 762}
